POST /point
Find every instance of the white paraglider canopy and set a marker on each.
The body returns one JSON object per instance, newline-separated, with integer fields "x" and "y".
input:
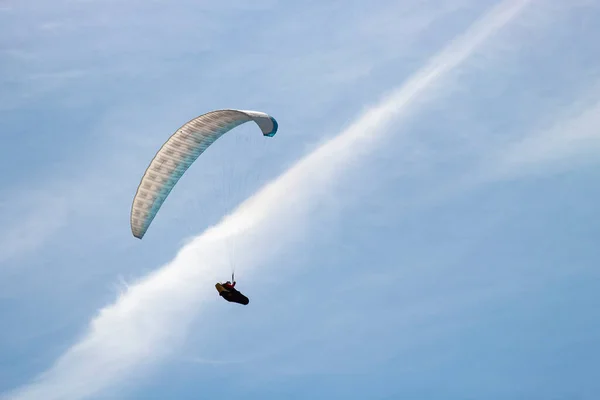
{"x": 179, "y": 152}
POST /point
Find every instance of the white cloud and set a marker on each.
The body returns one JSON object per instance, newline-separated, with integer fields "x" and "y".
{"x": 150, "y": 319}
{"x": 570, "y": 142}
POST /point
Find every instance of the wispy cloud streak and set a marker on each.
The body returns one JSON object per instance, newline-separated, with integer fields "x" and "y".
{"x": 576, "y": 138}
{"x": 150, "y": 319}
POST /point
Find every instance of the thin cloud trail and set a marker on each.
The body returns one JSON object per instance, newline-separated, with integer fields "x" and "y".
{"x": 151, "y": 318}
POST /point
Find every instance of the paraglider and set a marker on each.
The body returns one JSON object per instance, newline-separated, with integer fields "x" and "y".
{"x": 174, "y": 158}
{"x": 228, "y": 292}
{"x": 179, "y": 152}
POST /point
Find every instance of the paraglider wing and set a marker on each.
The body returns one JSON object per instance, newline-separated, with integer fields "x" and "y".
{"x": 179, "y": 152}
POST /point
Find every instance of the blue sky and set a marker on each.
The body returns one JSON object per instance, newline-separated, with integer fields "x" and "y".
{"x": 422, "y": 226}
